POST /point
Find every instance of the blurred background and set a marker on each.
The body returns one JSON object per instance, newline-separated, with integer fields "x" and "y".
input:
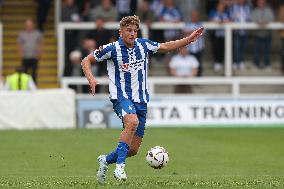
{"x": 231, "y": 76}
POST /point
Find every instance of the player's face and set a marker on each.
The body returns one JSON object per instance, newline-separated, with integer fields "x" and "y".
{"x": 128, "y": 34}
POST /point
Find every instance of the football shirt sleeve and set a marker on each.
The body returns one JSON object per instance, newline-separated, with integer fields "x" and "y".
{"x": 103, "y": 52}
{"x": 152, "y": 46}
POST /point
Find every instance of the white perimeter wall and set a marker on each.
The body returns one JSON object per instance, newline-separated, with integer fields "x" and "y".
{"x": 38, "y": 110}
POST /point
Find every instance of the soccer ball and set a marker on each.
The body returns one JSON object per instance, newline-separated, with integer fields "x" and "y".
{"x": 157, "y": 157}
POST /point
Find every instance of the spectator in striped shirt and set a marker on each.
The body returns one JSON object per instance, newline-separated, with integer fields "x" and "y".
{"x": 240, "y": 12}
{"x": 219, "y": 16}
{"x": 262, "y": 15}
{"x": 170, "y": 13}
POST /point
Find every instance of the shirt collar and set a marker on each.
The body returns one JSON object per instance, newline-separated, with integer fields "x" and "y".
{"x": 123, "y": 44}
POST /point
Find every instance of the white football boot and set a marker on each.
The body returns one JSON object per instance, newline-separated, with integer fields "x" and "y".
{"x": 103, "y": 166}
{"x": 119, "y": 172}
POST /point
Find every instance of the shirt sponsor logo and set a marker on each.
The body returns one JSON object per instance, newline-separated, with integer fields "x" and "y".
{"x": 124, "y": 67}
{"x": 132, "y": 66}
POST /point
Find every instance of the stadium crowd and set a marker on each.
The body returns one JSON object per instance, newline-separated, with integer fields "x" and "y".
{"x": 192, "y": 12}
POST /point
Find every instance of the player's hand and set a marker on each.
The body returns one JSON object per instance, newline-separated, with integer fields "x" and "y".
{"x": 196, "y": 34}
{"x": 93, "y": 83}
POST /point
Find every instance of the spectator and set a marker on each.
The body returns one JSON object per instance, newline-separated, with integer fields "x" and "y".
{"x": 170, "y": 13}
{"x": 126, "y": 8}
{"x": 88, "y": 46}
{"x": 80, "y": 4}
{"x": 228, "y": 4}
{"x": 100, "y": 34}
{"x": 183, "y": 65}
{"x": 281, "y": 18}
{"x": 211, "y": 4}
{"x": 196, "y": 48}
{"x": 145, "y": 14}
{"x": 275, "y": 4}
{"x": 42, "y": 13}
{"x": 186, "y": 7}
{"x": 1, "y": 3}
{"x": 69, "y": 12}
{"x": 85, "y": 6}
{"x": 75, "y": 58}
{"x": 240, "y": 12}
{"x": 262, "y": 15}
{"x": 30, "y": 43}
{"x": 106, "y": 11}
{"x": 218, "y": 47}
{"x": 157, "y": 7}
{"x": 85, "y": 10}
{"x": 94, "y": 3}
{"x": 19, "y": 81}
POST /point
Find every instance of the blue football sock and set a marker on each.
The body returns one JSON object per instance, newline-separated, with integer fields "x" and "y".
{"x": 111, "y": 157}
{"x": 122, "y": 151}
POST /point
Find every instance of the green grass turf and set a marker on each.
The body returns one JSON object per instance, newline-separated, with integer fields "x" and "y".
{"x": 199, "y": 158}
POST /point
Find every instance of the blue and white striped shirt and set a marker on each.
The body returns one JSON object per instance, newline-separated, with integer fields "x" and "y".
{"x": 240, "y": 13}
{"x": 128, "y": 68}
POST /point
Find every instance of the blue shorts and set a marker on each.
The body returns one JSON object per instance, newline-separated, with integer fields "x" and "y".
{"x": 125, "y": 106}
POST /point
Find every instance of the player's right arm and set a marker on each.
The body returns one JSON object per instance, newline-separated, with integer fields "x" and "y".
{"x": 86, "y": 66}
{"x": 100, "y": 54}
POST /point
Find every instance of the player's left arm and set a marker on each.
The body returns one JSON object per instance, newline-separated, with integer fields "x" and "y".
{"x": 173, "y": 45}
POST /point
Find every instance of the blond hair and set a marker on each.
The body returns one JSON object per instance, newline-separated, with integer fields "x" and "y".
{"x": 130, "y": 20}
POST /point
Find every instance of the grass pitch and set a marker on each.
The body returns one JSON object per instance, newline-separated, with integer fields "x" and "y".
{"x": 199, "y": 158}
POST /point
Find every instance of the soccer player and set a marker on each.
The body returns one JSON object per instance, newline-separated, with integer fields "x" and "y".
{"x": 127, "y": 64}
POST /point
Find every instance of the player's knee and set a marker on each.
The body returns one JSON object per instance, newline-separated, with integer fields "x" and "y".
{"x": 131, "y": 128}
{"x": 131, "y": 123}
